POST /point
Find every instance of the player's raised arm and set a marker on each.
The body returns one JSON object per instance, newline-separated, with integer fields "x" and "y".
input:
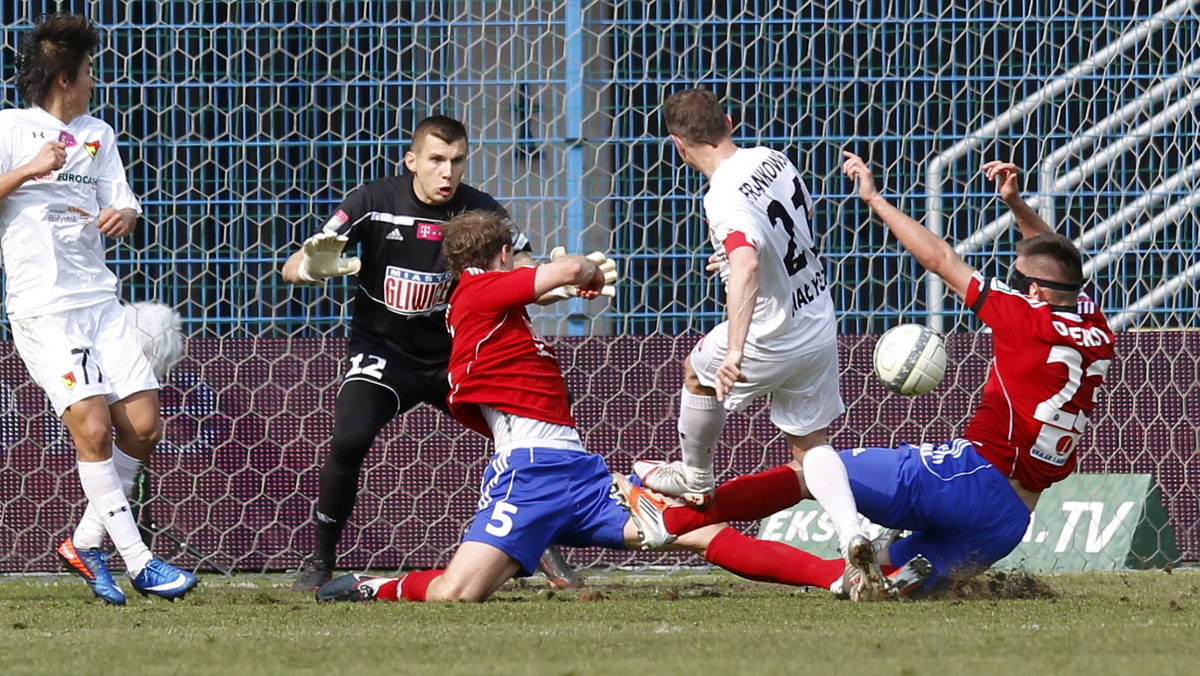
{"x": 319, "y": 259}
{"x": 579, "y": 272}
{"x": 1007, "y": 178}
{"x": 931, "y": 251}
{"x": 607, "y": 267}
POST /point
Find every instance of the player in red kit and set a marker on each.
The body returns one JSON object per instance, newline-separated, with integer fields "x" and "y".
{"x": 541, "y": 486}
{"x": 967, "y": 501}
{"x": 397, "y": 349}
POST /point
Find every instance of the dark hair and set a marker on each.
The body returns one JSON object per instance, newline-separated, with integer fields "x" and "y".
{"x": 473, "y": 238}
{"x": 445, "y": 128}
{"x": 696, "y": 116}
{"x": 1059, "y": 249}
{"x": 60, "y": 43}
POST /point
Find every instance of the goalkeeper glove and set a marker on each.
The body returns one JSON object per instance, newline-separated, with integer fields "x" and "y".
{"x": 323, "y": 258}
{"x": 608, "y": 268}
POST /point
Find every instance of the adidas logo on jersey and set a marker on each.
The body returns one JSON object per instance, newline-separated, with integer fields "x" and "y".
{"x": 396, "y": 235}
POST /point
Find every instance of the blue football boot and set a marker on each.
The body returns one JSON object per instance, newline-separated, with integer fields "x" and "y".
{"x": 92, "y": 566}
{"x": 164, "y": 581}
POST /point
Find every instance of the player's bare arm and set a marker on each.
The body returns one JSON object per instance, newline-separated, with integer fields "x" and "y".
{"x": 741, "y": 296}
{"x": 573, "y": 269}
{"x": 116, "y": 223}
{"x": 931, "y": 251}
{"x": 608, "y": 271}
{"x": 1008, "y": 182}
{"x": 52, "y": 156}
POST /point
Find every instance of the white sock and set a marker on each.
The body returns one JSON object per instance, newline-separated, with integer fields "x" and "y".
{"x": 701, "y": 419}
{"x": 89, "y": 534}
{"x": 826, "y": 477}
{"x": 102, "y": 487}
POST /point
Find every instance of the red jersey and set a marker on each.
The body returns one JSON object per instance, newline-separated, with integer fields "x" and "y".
{"x": 1046, "y": 371}
{"x": 496, "y": 358}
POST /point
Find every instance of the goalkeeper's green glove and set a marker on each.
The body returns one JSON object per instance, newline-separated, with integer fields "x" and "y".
{"x": 607, "y": 266}
{"x": 323, "y": 258}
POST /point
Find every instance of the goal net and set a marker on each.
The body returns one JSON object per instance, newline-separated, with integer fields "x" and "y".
{"x": 243, "y": 124}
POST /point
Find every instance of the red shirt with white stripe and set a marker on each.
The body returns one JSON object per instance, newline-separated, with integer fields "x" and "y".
{"x": 497, "y": 359}
{"x": 1042, "y": 386}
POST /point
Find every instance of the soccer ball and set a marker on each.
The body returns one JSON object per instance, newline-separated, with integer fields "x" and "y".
{"x": 159, "y": 331}
{"x": 910, "y": 359}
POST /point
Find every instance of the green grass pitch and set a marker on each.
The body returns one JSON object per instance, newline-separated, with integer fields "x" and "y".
{"x": 687, "y": 623}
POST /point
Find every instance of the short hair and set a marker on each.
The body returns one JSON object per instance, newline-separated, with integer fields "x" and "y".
{"x": 1059, "y": 249}
{"x": 445, "y": 128}
{"x": 696, "y": 116}
{"x": 473, "y": 238}
{"x": 60, "y": 43}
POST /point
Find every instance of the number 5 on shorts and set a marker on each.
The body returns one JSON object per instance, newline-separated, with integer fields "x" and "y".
{"x": 500, "y": 524}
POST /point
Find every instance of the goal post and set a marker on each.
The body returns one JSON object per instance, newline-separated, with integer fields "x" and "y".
{"x": 243, "y": 124}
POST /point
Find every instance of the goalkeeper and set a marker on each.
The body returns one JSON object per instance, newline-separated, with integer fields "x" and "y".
{"x": 398, "y": 349}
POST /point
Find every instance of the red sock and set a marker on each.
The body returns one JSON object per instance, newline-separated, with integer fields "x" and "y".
{"x": 746, "y": 498}
{"x": 767, "y": 561}
{"x": 387, "y": 590}
{"x": 414, "y": 585}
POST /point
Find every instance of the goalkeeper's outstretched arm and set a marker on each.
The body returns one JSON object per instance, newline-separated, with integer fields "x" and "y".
{"x": 319, "y": 259}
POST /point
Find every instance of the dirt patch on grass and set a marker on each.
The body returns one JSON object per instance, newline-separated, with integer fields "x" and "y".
{"x": 994, "y": 585}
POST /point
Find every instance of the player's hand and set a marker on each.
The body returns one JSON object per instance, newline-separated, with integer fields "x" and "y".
{"x": 715, "y": 261}
{"x": 1007, "y": 177}
{"x": 52, "y": 156}
{"x": 855, "y": 168}
{"x": 323, "y": 258}
{"x": 113, "y": 224}
{"x": 728, "y": 373}
{"x": 602, "y": 284}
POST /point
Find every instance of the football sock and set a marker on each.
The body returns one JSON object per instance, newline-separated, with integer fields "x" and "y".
{"x": 767, "y": 561}
{"x": 338, "y": 493}
{"x": 102, "y": 487}
{"x": 826, "y": 477}
{"x": 89, "y": 534}
{"x": 701, "y": 419}
{"x": 414, "y": 585}
{"x": 746, "y": 498}
{"x": 386, "y": 591}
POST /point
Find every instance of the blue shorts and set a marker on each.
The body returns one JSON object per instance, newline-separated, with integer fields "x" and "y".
{"x": 963, "y": 513}
{"x": 534, "y": 497}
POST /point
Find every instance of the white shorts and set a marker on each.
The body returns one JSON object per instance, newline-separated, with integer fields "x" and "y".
{"x": 81, "y": 353}
{"x": 804, "y": 389}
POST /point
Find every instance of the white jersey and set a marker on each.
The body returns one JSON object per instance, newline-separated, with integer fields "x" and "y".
{"x": 758, "y": 192}
{"x": 53, "y": 254}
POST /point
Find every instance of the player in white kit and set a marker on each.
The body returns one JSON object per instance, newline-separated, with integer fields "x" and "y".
{"x": 62, "y": 190}
{"x": 780, "y": 337}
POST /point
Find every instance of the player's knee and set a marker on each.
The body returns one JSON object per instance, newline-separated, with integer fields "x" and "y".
{"x": 349, "y": 448}
{"x": 450, "y": 591}
{"x": 151, "y": 434}
{"x": 92, "y": 437}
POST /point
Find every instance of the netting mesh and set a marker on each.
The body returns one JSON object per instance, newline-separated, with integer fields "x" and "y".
{"x": 244, "y": 123}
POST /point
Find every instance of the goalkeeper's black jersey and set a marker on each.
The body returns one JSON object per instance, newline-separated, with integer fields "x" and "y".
{"x": 403, "y": 285}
